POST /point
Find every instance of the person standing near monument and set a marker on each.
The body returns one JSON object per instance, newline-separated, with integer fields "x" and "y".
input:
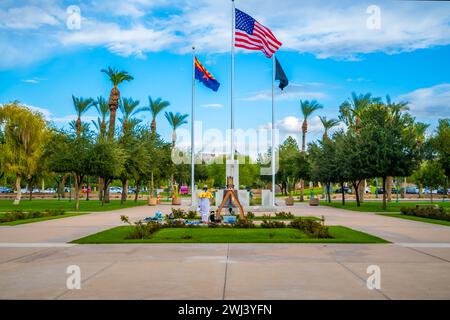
{"x": 204, "y": 204}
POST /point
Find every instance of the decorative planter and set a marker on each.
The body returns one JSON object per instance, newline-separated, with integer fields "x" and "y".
{"x": 176, "y": 201}
{"x": 289, "y": 201}
{"x": 314, "y": 202}
{"x": 152, "y": 201}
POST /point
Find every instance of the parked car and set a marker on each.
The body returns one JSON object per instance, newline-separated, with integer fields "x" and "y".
{"x": 131, "y": 190}
{"x": 346, "y": 190}
{"x": 428, "y": 191}
{"x": 85, "y": 190}
{"x": 393, "y": 191}
{"x": 49, "y": 190}
{"x": 184, "y": 190}
{"x": 367, "y": 190}
{"x": 5, "y": 190}
{"x": 412, "y": 190}
{"x": 115, "y": 190}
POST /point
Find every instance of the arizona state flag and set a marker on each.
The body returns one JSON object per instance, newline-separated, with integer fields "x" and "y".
{"x": 202, "y": 75}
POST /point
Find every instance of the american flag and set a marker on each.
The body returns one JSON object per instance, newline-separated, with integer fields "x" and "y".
{"x": 251, "y": 35}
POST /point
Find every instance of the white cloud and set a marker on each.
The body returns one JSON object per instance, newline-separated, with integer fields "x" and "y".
{"x": 34, "y": 80}
{"x": 326, "y": 29}
{"x": 212, "y": 105}
{"x": 429, "y": 102}
{"x": 291, "y": 92}
{"x": 26, "y": 17}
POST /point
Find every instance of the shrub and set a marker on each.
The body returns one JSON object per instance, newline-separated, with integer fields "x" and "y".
{"x": 270, "y": 224}
{"x": 19, "y": 215}
{"x": 432, "y": 212}
{"x": 175, "y": 224}
{"x": 312, "y": 228}
{"x": 245, "y": 224}
{"x": 140, "y": 229}
{"x": 284, "y": 215}
{"x": 250, "y": 215}
{"x": 191, "y": 214}
{"x": 177, "y": 214}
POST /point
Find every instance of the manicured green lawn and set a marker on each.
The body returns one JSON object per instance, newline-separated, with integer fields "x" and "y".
{"x": 421, "y": 219}
{"x": 369, "y": 206}
{"x": 230, "y": 235}
{"x": 66, "y": 205}
{"x": 273, "y": 217}
{"x": 24, "y": 221}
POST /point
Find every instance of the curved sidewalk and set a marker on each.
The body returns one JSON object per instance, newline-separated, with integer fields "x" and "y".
{"x": 34, "y": 258}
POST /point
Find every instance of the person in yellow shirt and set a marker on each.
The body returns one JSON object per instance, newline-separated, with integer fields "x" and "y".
{"x": 204, "y": 204}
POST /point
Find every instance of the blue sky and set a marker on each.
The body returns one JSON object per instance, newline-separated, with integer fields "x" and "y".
{"x": 328, "y": 51}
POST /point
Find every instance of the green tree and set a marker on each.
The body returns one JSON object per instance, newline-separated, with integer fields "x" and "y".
{"x": 25, "y": 134}
{"x": 431, "y": 175}
{"x": 103, "y": 110}
{"x": 389, "y": 142}
{"x": 81, "y": 106}
{"x": 116, "y": 77}
{"x": 155, "y": 107}
{"x": 328, "y": 124}
{"x": 308, "y": 108}
{"x": 67, "y": 153}
{"x": 129, "y": 108}
{"x": 439, "y": 147}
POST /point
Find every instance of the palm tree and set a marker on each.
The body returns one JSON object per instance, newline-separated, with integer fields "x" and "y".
{"x": 175, "y": 121}
{"x": 81, "y": 105}
{"x": 396, "y": 108}
{"x": 116, "y": 78}
{"x": 103, "y": 110}
{"x": 128, "y": 108}
{"x": 352, "y": 108}
{"x": 308, "y": 108}
{"x": 350, "y": 113}
{"x": 155, "y": 107}
{"x": 327, "y": 125}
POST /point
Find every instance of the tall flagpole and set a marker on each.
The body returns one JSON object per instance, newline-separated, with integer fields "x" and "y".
{"x": 192, "y": 129}
{"x": 233, "y": 15}
{"x": 273, "y": 128}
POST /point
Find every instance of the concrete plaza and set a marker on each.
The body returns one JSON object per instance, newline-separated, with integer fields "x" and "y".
{"x": 416, "y": 265}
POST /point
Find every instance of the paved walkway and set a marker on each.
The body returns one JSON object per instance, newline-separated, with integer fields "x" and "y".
{"x": 34, "y": 258}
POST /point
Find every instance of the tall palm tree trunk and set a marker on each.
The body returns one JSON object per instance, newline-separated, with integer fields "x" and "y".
{"x": 113, "y": 105}
{"x": 153, "y": 126}
{"x": 302, "y": 182}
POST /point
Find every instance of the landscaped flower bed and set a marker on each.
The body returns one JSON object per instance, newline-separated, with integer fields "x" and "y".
{"x": 431, "y": 212}
{"x": 20, "y": 215}
{"x": 299, "y": 230}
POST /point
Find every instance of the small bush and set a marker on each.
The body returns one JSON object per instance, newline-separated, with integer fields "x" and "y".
{"x": 140, "y": 229}
{"x": 177, "y": 214}
{"x": 270, "y": 224}
{"x": 175, "y": 224}
{"x": 245, "y": 224}
{"x": 250, "y": 215}
{"x": 312, "y": 228}
{"x": 191, "y": 214}
{"x": 432, "y": 212}
{"x": 284, "y": 215}
{"x": 19, "y": 215}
